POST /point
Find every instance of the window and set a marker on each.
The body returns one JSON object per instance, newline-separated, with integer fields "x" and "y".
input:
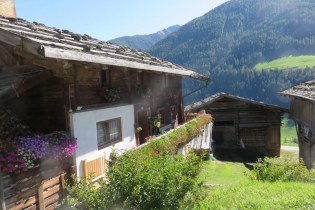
{"x": 306, "y": 133}
{"x": 108, "y": 132}
{"x": 173, "y": 113}
{"x": 161, "y": 113}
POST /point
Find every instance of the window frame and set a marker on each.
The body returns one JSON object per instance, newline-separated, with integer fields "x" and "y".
{"x": 306, "y": 133}
{"x": 175, "y": 113}
{"x": 107, "y": 133}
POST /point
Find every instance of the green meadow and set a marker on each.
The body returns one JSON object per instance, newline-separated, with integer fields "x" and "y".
{"x": 301, "y": 62}
{"x": 229, "y": 187}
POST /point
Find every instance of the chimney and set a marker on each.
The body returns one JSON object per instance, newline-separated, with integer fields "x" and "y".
{"x": 7, "y": 8}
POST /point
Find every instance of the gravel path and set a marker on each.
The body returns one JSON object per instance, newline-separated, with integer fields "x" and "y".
{"x": 290, "y": 148}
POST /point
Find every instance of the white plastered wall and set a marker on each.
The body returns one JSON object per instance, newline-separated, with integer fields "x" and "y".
{"x": 83, "y": 127}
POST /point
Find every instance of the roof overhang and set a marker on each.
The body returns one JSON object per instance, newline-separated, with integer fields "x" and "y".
{"x": 48, "y": 49}
{"x": 216, "y": 97}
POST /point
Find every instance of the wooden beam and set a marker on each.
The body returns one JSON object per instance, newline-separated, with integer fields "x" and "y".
{"x": 24, "y": 85}
{"x": 21, "y": 69}
{"x": 50, "y": 52}
{"x": 19, "y": 51}
{"x": 2, "y": 199}
{"x": 9, "y": 38}
{"x": 9, "y": 54}
{"x": 46, "y": 64}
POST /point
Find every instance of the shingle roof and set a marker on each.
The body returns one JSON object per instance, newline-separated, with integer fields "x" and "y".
{"x": 202, "y": 103}
{"x": 303, "y": 90}
{"x": 38, "y": 39}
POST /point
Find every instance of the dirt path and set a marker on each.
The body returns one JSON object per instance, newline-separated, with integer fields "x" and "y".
{"x": 290, "y": 148}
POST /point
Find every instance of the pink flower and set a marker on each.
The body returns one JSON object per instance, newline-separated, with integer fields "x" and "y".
{"x": 106, "y": 90}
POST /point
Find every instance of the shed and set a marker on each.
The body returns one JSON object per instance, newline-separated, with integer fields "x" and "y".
{"x": 302, "y": 110}
{"x": 257, "y": 124}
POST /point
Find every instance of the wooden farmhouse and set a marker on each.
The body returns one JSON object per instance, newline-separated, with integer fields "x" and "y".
{"x": 235, "y": 118}
{"x": 302, "y": 110}
{"x": 57, "y": 80}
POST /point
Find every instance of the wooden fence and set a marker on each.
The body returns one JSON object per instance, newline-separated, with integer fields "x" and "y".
{"x": 42, "y": 187}
{"x": 96, "y": 166}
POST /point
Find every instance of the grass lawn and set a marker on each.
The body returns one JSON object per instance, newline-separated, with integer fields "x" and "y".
{"x": 288, "y": 62}
{"x": 236, "y": 191}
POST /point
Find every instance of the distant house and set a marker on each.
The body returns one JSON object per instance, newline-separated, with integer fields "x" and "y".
{"x": 235, "y": 118}
{"x": 58, "y": 80}
{"x": 302, "y": 110}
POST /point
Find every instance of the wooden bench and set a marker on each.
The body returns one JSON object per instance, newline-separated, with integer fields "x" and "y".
{"x": 166, "y": 127}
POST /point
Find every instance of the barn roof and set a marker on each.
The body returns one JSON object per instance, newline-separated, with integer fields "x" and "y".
{"x": 304, "y": 90}
{"x": 216, "y": 97}
{"x": 48, "y": 42}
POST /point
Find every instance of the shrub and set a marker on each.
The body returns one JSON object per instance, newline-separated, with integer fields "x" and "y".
{"x": 281, "y": 169}
{"x": 139, "y": 179}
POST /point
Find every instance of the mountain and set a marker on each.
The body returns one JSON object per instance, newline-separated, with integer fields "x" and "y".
{"x": 143, "y": 42}
{"x": 228, "y": 41}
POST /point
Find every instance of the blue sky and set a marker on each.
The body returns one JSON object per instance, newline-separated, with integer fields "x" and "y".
{"x": 108, "y": 19}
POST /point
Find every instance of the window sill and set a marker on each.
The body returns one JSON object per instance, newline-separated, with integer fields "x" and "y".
{"x": 100, "y": 147}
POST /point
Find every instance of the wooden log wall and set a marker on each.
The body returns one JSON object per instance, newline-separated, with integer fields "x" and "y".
{"x": 258, "y": 126}
{"x": 42, "y": 107}
{"x": 42, "y": 187}
{"x": 301, "y": 109}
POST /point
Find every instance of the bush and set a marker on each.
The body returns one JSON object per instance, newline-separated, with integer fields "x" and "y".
{"x": 140, "y": 180}
{"x": 281, "y": 169}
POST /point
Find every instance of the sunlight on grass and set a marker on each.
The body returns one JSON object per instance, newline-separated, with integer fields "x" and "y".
{"x": 237, "y": 191}
{"x": 288, "y": 62}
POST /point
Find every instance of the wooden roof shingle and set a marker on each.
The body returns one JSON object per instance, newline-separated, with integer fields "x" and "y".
{"x": 304, "y": 90}
{"x": 218, "y": 96}
{"x": 40, "y": 40}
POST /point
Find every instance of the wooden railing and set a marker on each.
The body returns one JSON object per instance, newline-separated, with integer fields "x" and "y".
{"x": 189, "y": 117}
{"x": 42, "y": 187}
{"x": 96, "y": 167}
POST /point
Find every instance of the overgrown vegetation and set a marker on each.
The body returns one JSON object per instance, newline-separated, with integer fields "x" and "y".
{"x": 151, "y": 177}
{"x": 281, "y": 169}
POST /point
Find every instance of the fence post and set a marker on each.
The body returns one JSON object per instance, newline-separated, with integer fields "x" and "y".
{"x": 2, "y": 200}
{"x": 63, "y": 185}
{"x": 41, "y": 197}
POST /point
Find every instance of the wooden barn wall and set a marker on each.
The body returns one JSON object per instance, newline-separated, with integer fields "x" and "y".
{"x": 42, "y": 107}
{"x": 273, "y": 140}
{"x": 301, "y": 110}
{"x": 257, "y": 126}
{"x": 159, "y": 101}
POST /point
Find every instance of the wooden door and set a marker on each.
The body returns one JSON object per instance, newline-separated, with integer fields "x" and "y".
{"x": 143, "y": 122}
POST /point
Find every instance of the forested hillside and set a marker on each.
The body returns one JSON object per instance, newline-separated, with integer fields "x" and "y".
{"x": 143, "y": 42}
{"x": 227, "y": 42}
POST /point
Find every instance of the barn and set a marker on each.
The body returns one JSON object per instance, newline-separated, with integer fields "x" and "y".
{"x": 236, "y": 119}
{"x": 302, "y": 109}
